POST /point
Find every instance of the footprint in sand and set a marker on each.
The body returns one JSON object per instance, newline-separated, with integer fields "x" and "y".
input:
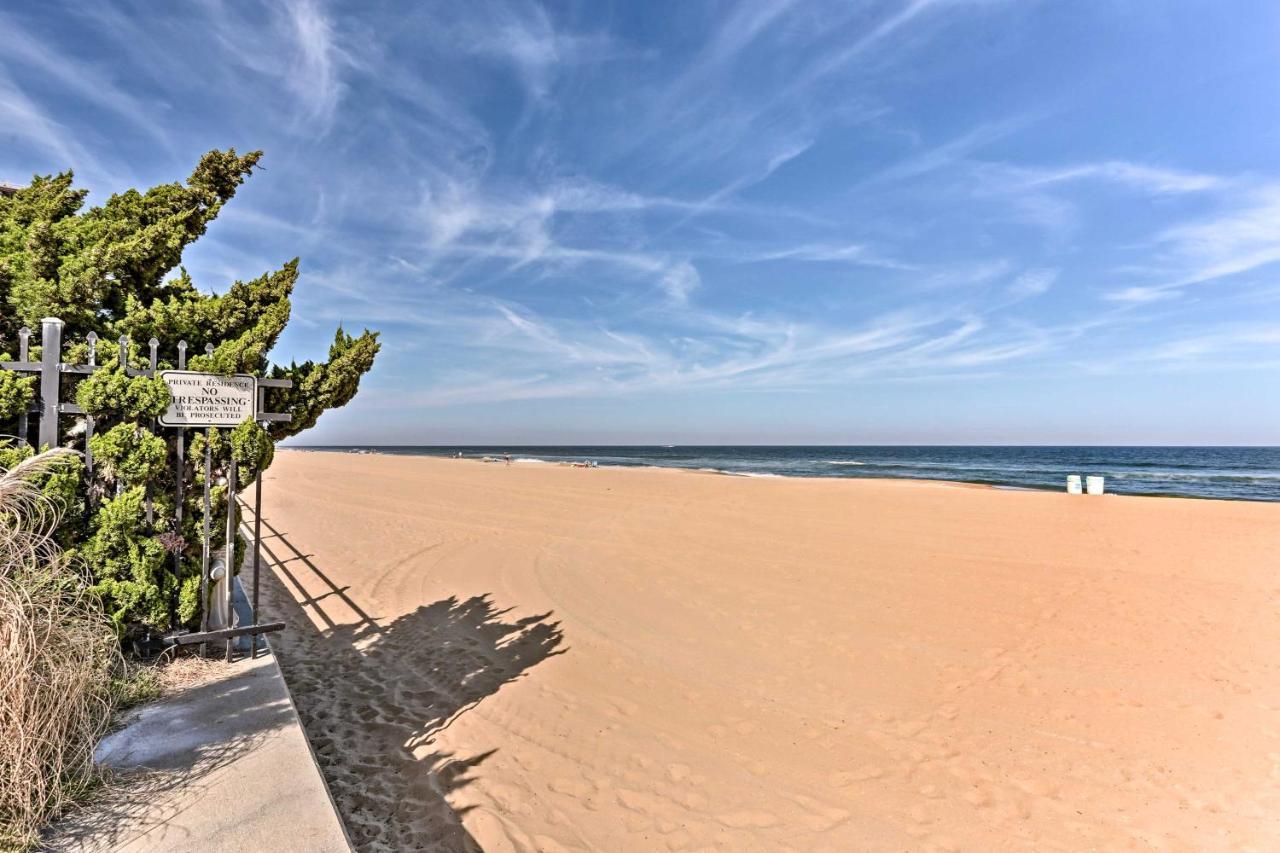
{"x": 749, "y": 820}
{"x": 979, "y": 798}
{"x": 691, "y": 800}
{"x": 819, "y": 817}
{"x": 911, "y": 728}
{"x": 865, "y": 773}
{"x": 990, "y": 673}
{"x": 621, "y": 708}
{"x": 570, "y": 787}
{"x": 543, "y": 844}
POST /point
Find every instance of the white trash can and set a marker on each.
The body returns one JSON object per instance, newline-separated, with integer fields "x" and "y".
{"x": 1094, "y": 485}
{"x": 1073, "y": 484}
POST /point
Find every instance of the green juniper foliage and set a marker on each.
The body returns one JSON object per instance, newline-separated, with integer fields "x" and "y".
{"x": 114, "y": 270}
{"x": 16, "y": 391}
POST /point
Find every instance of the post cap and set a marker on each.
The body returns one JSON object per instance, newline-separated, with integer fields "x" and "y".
{"x": 57, "y": 320}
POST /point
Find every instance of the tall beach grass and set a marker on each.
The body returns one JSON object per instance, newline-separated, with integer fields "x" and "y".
{"x": 60, "y": 662}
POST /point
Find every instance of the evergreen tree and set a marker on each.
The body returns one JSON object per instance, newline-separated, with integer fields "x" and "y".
{"x": 114, "y": 270}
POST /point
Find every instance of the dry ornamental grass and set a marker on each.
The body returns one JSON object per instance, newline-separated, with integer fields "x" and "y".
{"x": 58, "y": 659}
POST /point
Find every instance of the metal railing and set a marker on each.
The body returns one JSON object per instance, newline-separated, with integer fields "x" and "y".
{"x": 48, "y": 407}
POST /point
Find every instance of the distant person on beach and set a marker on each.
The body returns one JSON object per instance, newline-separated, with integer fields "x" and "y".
{"x": 507, "y": 457}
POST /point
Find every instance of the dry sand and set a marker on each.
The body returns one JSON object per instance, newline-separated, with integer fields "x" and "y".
{"x": 543, "y": 658}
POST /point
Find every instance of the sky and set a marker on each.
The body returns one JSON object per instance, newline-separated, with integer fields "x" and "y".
{"x": 837, "y": 221}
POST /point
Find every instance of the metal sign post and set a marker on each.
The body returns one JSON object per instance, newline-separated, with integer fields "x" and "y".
{"x": 257, "y": 556}
{"x": 229, "y": 553}
{"x": 204, "y": 559}
{"x": 179, "y": 468}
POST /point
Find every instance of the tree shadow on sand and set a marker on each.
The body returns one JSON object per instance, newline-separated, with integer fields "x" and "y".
{"x": 372, "y": 698}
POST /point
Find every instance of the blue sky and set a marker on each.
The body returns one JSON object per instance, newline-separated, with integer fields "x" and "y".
{"x": 937, "y": 221}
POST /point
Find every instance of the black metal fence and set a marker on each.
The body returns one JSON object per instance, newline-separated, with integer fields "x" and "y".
{"x": 48, "y": 407}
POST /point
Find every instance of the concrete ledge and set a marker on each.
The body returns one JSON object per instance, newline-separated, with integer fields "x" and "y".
{"x": 224, "y": 765}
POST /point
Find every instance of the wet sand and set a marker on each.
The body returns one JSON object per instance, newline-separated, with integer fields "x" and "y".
{"x": 534, "y": 657}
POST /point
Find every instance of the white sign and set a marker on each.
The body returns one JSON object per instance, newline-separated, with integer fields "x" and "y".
{"x": 208, "y": 399}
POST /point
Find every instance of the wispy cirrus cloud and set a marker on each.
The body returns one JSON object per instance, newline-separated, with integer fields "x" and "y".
{"x": 1241, "y": 238}
{"x": 1032, "y": 283}
{"x": 26, "y": 124}
{"x": 294, "y": 44}
{"x": 314, "y": 72}
{"x": 92, "y": 85}
{"x": 1233, "y": 339}
{"x": 539, "y": 201}
{"x": 1136, "y": 175}
{"x": 859, "y": 254}
{"x": 523, "y": 35}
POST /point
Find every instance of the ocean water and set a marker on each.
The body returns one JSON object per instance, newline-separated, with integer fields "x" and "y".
{"x": 1240, "y": 473}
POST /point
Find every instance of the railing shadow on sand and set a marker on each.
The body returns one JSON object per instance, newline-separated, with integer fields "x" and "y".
{"x": 372, "y": 697}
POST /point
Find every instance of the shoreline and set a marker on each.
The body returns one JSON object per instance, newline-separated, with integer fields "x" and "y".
{"x": 359, "y": 450}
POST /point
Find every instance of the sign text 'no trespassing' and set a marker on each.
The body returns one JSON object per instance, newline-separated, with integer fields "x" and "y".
{"x": 208, "y": 399}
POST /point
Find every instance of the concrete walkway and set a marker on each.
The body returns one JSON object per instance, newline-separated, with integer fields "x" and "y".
{"x": 221, "y": 766}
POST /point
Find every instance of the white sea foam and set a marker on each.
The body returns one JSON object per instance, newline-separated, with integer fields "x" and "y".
{"x": 736, "y": 473}
{"x": 1204, "y": 476}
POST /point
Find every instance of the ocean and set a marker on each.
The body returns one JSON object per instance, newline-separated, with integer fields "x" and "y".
{"x": 1237, "y": 473}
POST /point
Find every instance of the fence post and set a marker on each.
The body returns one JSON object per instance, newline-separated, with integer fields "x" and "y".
{"x": 92, "y": 340}
{"x": 257, "y": 549}
{"x": 205, "y": 560}
{"x": 229, "y": 548}
{"x": 178, "y": 472}
{"x": 50, "y": 379}
{"x": 204, "y": 554}
{"x": 24, "y": 335}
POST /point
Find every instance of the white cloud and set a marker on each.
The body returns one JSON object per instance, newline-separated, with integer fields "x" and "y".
{"x": 679, "y": 280}
{"x": 524, "y": 36}
{"x": 952, "y": 152}
{"x": 1232, "y": 242}
{"x": 593, "y": 242}
{"x": 1232, "y": 339}
{"x": 23, "y": 120}
{"x": 1136, "y": 175}
{"x": 852, "y": 253}
{"x": 842, "y": 56}
{"x": 1032, "y": 283}
{"x": 93, "y": 85}
{"x": 1237, "y": 240}
{"x": 1138, "y": 294}
{"x": 313, "y": 73}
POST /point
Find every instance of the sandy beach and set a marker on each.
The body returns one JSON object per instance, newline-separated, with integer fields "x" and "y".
{"x": 534, "y": 657}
